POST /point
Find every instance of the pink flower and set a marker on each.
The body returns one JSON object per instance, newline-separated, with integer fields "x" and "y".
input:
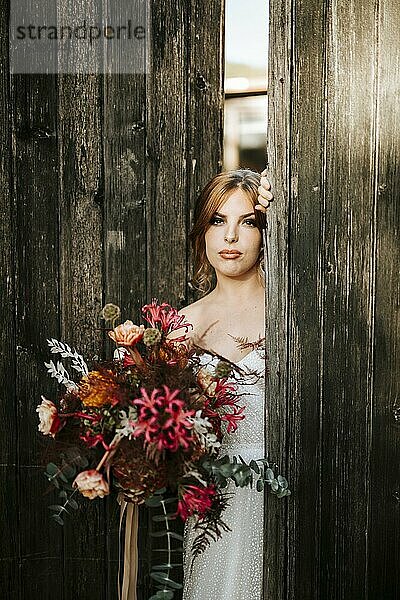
{"x": 195, "y": 500}
{"x": 127, "y": 334}
{"x": 91, "y": 484}
{"x": 50, "y": 422}
{"x": 167, "y": 316}
{"x": 163, "y": 420}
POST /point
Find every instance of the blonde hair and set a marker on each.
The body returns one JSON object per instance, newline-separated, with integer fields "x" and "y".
{"x": 209, "y": 201}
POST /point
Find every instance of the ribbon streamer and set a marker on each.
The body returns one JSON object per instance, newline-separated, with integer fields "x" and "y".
{"x": 131, "y": 558}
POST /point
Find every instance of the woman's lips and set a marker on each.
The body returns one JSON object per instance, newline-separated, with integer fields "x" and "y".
{"x": 230, "y": 255}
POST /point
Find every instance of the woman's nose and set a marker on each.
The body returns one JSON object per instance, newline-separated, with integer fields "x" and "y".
{"x": 231, "y": 232}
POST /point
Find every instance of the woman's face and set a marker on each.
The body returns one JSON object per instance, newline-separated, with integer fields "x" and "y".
{"x": 234, "y": 220}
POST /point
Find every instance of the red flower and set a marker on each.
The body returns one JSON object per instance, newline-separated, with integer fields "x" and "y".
{"x": 167, "y": 316}
{"x": 195, "y": 499}
{"x": 92, "y": 440}
{"x": 163, "y": 420}
{"x": 224, "y": 396}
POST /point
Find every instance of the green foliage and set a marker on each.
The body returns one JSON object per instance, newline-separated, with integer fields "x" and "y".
{"x": 161, "y": 572}
{"x": 62, "y": 477}
{"x": 225, "y": 468}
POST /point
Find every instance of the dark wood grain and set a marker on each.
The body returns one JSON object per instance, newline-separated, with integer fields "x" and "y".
{"x": 384, "y": 506}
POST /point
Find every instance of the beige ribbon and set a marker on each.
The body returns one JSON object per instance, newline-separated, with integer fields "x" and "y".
{"x": 131, "y": 558}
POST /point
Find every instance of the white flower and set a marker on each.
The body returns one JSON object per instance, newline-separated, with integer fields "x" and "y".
{"x": 127, "y": 422}
{"x": 91, "y": 484}
{"x": 200, "y": 427}
{"x": 48, "y": 416}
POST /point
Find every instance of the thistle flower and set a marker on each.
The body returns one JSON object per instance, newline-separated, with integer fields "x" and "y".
{"x": 91, "y": 484}
{"x": 151, "y": 336}
{"x": 162, "y": 419}
{"x": 110, "y": 312}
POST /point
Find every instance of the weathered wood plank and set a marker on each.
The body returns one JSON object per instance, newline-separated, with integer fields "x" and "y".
{"x": 9, "y": 532}
{"x": 166, "y": 140}
{"x": 81, "y": 285}
{"x": 205, "y": 52}
{"x": 384, "y": 522}
{"x": 347, "y": 294}
{"x": 276, "y": 318}
{"x": 35, "y": 167}
{"x": 306, "y": 273}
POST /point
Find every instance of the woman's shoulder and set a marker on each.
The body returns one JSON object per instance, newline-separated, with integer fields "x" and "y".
{"x": 194, "y": 314}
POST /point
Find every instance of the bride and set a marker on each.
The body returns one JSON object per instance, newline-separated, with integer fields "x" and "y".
{"x": 227, "y": 238}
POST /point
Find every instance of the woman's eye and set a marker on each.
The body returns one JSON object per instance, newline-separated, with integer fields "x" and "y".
{"x": 215, "y": 220}
{"x": 250, "y": 222}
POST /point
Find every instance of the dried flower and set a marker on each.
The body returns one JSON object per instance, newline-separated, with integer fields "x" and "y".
{"x": 91, "y": 484}
{"x": 151, "y": 336}
{"x": 163, "y": 420}
{"x": 222, "y": 369}
{"x": 206, "y": 381}
{"x": 99, "y": 388}
{"x": 195, "y": 499}
{"x": 50, "y": 422}
{"x": 110, "y": 312}
{"x": 127, "y": 334}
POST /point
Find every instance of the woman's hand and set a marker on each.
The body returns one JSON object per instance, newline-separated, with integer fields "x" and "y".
{"x": 265, "y": 196}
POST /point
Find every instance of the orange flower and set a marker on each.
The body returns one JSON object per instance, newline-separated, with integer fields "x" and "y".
{"x": 127, "y": 334}
{"x": 91, "y": 484}
{"x": 97, "y": 389}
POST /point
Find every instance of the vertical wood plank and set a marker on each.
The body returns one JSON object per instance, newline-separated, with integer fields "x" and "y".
{"x": 35, "y": 166}
{"x": 306, "y": 274}
{"x": 384, "y": 506}
{"x": 81, "y": 283}
{"x": 276, "y": 318}
{"x": 347, "y": 296}
{"x": 9, "y": 532}
{"x": 166, "y": 119}
{"x": 205, "y": 107}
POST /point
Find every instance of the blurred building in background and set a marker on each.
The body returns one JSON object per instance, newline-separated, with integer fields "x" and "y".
{"x": 246, "y": 55}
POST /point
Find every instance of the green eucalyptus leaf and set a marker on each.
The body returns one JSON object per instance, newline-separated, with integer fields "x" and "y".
{"x": 169, "y": 500}
{"x": 260, "y": 485}
{"x": 166, "y": 566}
{"x": 56, "y": 507}
{"x": 269, "y": 475}
{"x": 163, "y": 595}
{"x": 274, "y": 485}
{"x": 69, "y": 471}
{"x": 163, "y": 578}
{"x": 153, "y": 501}
{"x": 161, "y": 491}
{"x": 172, "y": 534}
{"x": 63, "y": 494}
{"x": 178, "y": 549}
{"x": 253, "y": 465}
{"x": 58, "y": 519}
{"x": 160, "y": 518}
{"x": 226, "y": 470}
{"x": 73, "y": 504}
{"x": 52, "y": 469}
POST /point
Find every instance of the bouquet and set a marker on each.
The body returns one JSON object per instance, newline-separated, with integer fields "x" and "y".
{"x": 149, "y": 424}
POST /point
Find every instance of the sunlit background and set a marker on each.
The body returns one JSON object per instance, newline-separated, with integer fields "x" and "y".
{"x": 246, "y": 54}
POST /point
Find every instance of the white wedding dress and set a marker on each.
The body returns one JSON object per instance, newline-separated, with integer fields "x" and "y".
{"x": 231, "y": 568}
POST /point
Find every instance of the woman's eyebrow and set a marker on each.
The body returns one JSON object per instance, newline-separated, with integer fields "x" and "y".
{"x": 241, "y": 216}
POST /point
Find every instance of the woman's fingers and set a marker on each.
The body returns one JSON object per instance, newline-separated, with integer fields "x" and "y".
{"x": 265, "y": 196}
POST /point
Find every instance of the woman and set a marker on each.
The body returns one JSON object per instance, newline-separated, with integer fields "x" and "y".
{"x": 227, "y": 239}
